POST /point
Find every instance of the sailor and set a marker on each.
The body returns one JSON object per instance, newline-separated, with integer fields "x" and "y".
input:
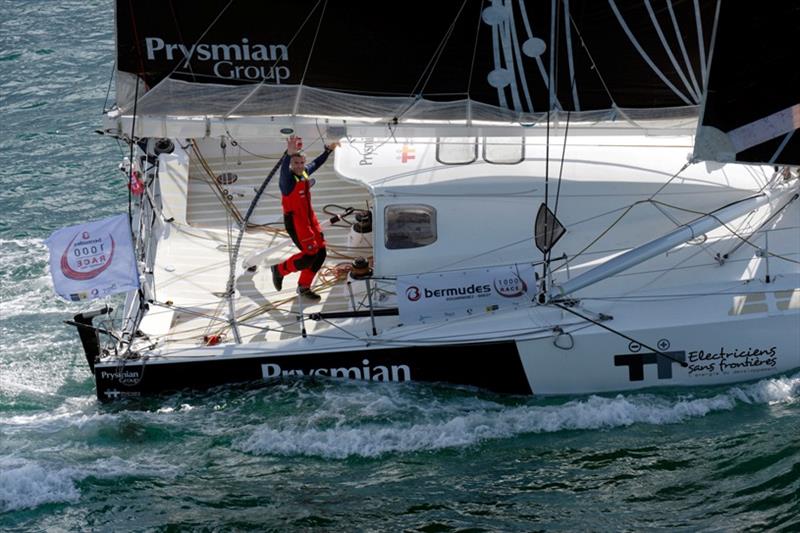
{"x": 299, "y": 218}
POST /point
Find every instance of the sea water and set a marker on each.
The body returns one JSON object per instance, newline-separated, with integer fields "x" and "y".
{"x": 317, "y": 454}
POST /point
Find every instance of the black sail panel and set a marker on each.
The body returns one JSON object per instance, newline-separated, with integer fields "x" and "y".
{"x": 752, "y": 109}
{"x": 600, "y": 55}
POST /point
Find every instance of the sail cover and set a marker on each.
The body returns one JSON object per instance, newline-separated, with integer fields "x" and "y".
{"x": 752, "y": 110}
{"x": 449, "y": 59}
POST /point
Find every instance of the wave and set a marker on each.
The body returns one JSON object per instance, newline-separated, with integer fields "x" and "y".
{"x": 28, "y": 484}
{"x": 465, "y": 423}
{"x": 25, "y": 484}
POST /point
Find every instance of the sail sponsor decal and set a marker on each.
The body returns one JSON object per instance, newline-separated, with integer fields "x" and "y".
{"x": 241, "y": 60}
{"x": 503, "y": 61}
{"x": 93, "y": 260}
{"x": 406, "y": 153}
{"x": 123, "y": 376}
{"x": 442, "y": 296}
{"x": 726, "y": 360}
{"x": 700, "y": 363}
{"x": 366, "y": 371}
{"x": 459, "y": 364}
{"x": 367, "y": 152}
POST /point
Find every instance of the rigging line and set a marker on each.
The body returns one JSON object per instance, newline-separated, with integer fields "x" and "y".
{"x": 591, "y": 60}
{"x": 235, "y": 252}
{"x": 437, "y": 54}
{"x": 245, "y": 150}
{"x": 547, "y": 230}
{"x": 676, "y": 296}
{"x": 432, "y": 62}
{"x": 560, "y": 174}
{"x": 695, "y": 95}
{"x": 781, "y": 147}
{"x": 472, "y": 66}
{"x": 213, "y": 184}
{"x": 673, "y": 267}
{"x": 644, "y": 54}
{"x": 508, "y": 56}
{"x": 624, "y": 213}
{"x": 274, "y": 64}
{"x": 684, "y": 364}
{"x": 727, "y": 227}
{"x": 602, "y": 234}
{"x": 132, "y": 143}
{"x": 666, "y": 183}
{"x": 501, "y": 93}
{"x": 180, "y": 35}
{"x": 570, "y": 59}
{"x": 308, "y": 59}
{"x": 108, "y": 90}
{"x": 679, "y": 38}
{"x": 553, "y": 53}
{"x": 228, "y": 231}
{"x": 208, "y": 28}
{"x": 701, "y": 45}
{"x": 136, "y": 38}
{"x": 340, "y": 328}
{"x": 529, "y": 31}
{"x": 518, "y": 57}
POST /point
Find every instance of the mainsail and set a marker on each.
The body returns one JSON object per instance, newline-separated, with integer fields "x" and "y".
{"x": 752, "y": 110}
{"x": 495, "y": 60}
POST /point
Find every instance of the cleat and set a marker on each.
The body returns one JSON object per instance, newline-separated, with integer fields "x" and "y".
{"x": 277, "y": 278}
{"x": 308, "y": 294}
{"x": 252, "y": 268}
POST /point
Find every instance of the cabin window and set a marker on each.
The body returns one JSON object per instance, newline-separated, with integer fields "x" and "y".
{"x": 504, "y": 150}
{"x": 456, "y": 150}
{"x": 409, "y": 226}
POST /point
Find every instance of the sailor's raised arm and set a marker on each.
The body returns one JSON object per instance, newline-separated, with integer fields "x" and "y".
{"x": 321, "y": 158}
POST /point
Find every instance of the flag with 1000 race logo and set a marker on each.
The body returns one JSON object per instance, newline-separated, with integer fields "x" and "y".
{"x": 93, "y": 260}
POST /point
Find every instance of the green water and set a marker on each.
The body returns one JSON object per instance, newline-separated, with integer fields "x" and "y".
{"x": 317, "y": 455}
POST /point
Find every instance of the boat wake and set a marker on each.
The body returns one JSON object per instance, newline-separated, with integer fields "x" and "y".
{"x": 369, "y": 425}
{"x": 25, "y": 483}
{"x": 28, "y": 484}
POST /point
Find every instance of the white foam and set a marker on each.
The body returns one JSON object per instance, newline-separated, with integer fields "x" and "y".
{"x": 771, "y": 391}
{"x": 33, "y": 294}
{"x": 55, "y": 420}
{"x": 341, "y": 428}
{"x": 113, "y": 467}
{"x": 464, "y": 429}
{"x": 26, "y": 484}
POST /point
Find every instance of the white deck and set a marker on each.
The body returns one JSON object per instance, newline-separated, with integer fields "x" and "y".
{"x": 192, "y": 263}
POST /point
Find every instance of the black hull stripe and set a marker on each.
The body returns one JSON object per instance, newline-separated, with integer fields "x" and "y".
{"x": 492, "y": 366}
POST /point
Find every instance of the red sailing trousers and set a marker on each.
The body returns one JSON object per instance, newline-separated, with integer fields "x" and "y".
{"x": 304, "y": 229}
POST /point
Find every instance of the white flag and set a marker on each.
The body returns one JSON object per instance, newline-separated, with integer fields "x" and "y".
{"x": 93, "y": 260}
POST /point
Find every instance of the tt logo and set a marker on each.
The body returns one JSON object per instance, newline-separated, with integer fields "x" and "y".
{"x": 636, "y": 361}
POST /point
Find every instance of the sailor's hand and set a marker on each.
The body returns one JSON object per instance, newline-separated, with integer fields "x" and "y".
{"x": 332, "y": 146}
{"x": 294, "y": 144}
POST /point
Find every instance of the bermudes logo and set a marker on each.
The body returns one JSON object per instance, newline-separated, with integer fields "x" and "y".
{"x": 413, "y": 294}
{"x": 510, "y": 286}
{"x": 87, "y": 258}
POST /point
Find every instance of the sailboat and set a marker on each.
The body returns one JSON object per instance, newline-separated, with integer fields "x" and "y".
{"x": 529, "y": 197}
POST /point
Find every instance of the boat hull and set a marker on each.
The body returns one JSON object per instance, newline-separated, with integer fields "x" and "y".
{"x": 589, "y": 360}
{"x": 495, "y": 366}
